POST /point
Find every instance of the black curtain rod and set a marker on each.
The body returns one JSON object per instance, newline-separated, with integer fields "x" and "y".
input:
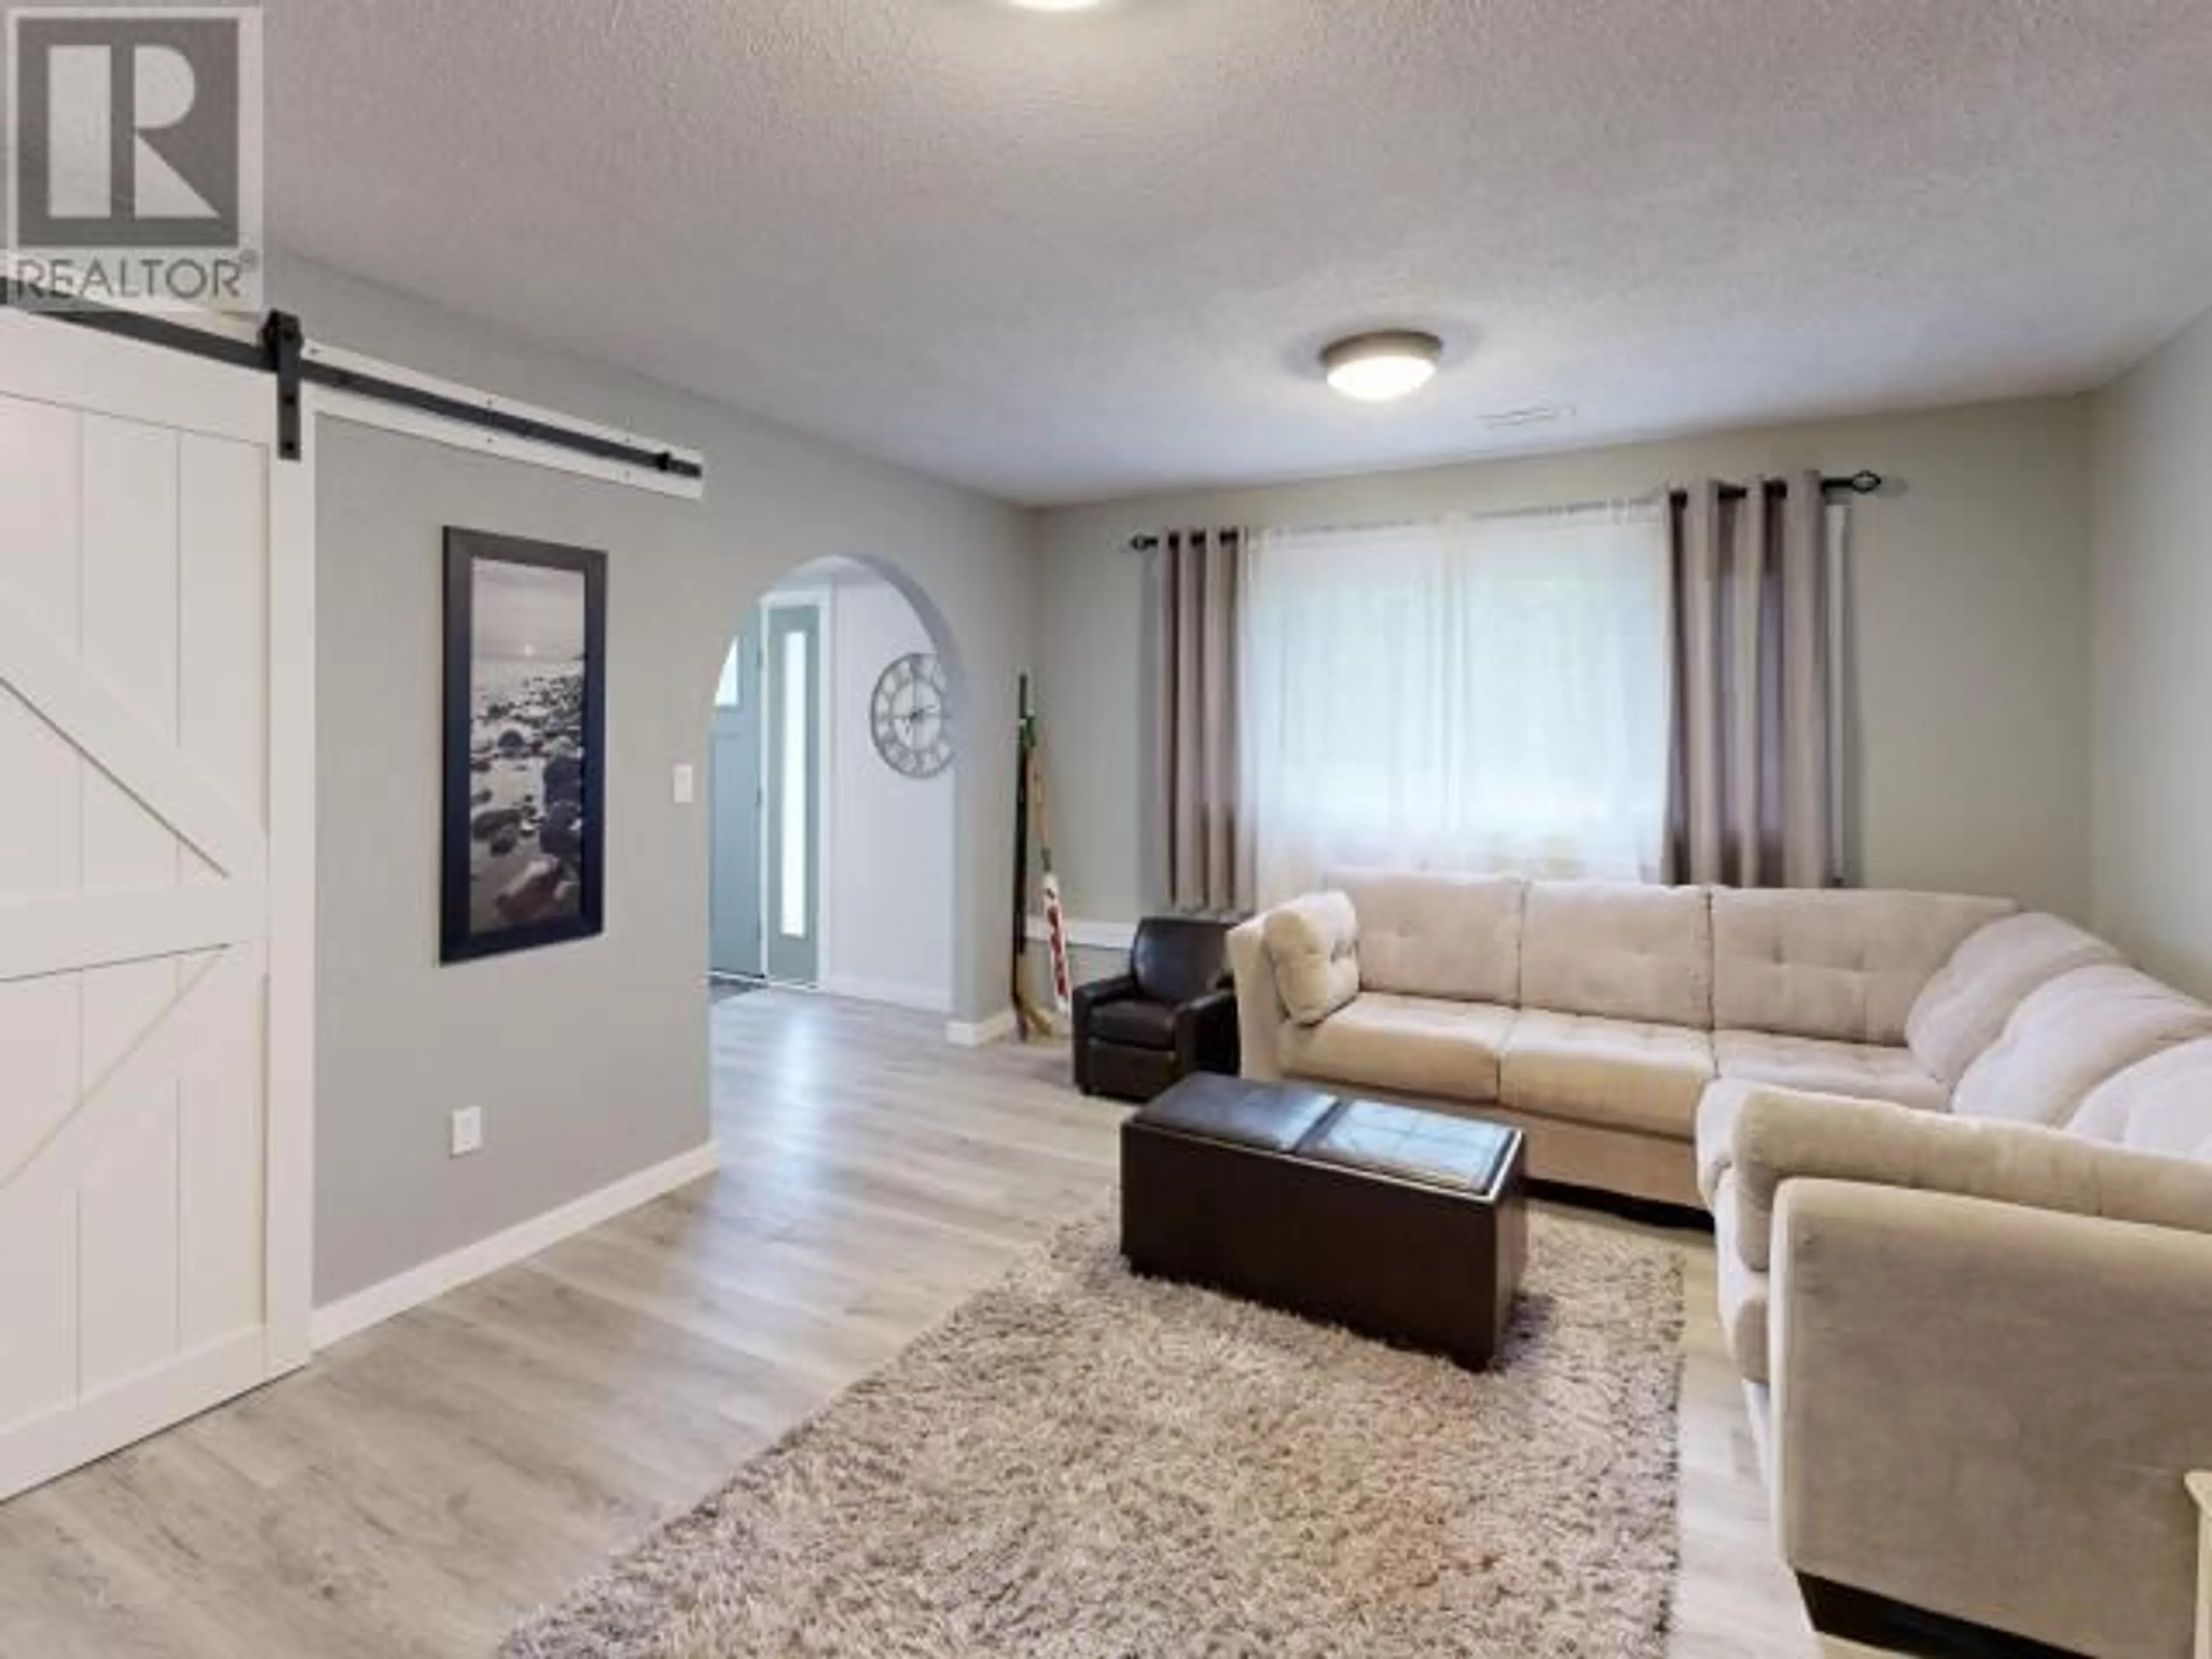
{"x": 1856, "y": 483}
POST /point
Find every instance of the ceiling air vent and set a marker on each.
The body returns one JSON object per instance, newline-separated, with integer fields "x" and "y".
{"x": 1513, "y": 420}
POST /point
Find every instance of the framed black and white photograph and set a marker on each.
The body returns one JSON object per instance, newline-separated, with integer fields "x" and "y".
{"x": 525, "y": 744}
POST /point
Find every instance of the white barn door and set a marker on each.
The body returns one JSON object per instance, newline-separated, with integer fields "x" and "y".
{"x": 156, "y": 892}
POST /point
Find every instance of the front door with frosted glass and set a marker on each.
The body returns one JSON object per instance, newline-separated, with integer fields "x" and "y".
{"x": 792, "y": 705}
{"x": 735, "y": 938}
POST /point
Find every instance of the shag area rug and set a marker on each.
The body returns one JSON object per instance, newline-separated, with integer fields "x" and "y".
{"x": 1081, "y": 1462}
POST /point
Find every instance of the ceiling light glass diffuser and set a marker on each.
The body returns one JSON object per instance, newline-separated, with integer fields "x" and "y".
{"x": 1378, "y": 369}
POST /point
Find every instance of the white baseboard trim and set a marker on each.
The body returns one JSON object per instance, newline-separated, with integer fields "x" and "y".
{"x": 335, "y": 1320}
{"x": 1089, "y": 935}
{"x": 892, "y": 994}
{"x": 980, "y": 1034}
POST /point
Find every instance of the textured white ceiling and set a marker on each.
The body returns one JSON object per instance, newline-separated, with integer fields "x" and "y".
{"x": 1063, "y": 258}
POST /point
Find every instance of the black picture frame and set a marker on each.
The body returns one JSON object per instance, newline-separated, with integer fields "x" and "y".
{"x": 507, "y": 792}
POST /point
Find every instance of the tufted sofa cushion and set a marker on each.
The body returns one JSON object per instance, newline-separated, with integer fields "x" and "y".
{"x": 1964, "y": 1007}
{"x": 1409, "y": 1045}
{"x": 1314, "y": 942}
{"x": 1618, "y": 950}
{"x": 1860, "y": 1071}
{"x": 2163, "y": 1105}
{"x": 1438, "y": 936}
{"x": 2072, "y": 1035}
{"x": 1620, "y": 1073}
{"x": 1845, "y": 966}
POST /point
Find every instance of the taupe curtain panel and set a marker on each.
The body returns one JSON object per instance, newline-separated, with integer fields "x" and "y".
{"x": 1204, "y": 854}
{"x": 1751, "y": 802}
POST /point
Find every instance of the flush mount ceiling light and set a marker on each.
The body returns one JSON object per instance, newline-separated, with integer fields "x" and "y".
{"x": 1377, "y": 369}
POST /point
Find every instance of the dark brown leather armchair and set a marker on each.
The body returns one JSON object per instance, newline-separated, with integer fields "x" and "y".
{"x": 1172, "y": 1014}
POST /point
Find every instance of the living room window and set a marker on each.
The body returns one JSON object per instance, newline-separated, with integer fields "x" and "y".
{"x": 1467, "y": 694}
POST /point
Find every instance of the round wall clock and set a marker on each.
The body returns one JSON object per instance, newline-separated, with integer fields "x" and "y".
{"x": 909, "y": 719}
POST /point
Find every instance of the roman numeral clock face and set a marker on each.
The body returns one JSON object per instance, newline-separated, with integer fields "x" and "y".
{"x": 910, "y": 718}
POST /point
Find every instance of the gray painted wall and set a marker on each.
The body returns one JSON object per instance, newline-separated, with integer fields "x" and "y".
{"x": 1971, "y": 600}
{"x": 590, "y": 1058}
{"x": 2154, "y": 660}
{"x": 1086, "y": 963}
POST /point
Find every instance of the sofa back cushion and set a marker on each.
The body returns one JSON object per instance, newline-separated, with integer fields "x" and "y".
{"x": 1619, "y": 949}
{"x": 1964, "y": 1007}
{"x": 2162, "y": 1105}
{"x": 1422, "y": 935}
{"x": 1843, "y": 965}
{"x": 2071, "y": 1035}
{"x": 1314, "y": 943}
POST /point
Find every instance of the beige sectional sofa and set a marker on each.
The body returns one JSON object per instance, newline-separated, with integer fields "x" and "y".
{"x": 1960, "y": 1162}
{"x": 1598, "y": 1016}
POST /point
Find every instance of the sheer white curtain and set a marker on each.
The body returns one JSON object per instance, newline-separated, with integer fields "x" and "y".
{"x": 1483, "y": 694}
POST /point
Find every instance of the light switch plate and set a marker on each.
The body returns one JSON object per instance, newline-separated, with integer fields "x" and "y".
{"x": 686, "y": 786}
{"x": 468, "y": 1130}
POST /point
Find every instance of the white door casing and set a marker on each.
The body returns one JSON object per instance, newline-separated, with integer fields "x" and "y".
{"x": 156, "y": 892}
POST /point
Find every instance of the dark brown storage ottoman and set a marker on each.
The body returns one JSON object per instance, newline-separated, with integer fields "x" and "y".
{"x": 1401, "y": 1224}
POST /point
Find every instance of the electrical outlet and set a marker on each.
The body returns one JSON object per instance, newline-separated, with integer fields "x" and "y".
{"x": 468, "y": 1130}
{"x": 686, "y": 788}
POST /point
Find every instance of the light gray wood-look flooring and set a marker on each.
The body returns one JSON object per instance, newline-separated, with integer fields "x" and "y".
{"x": 426, "y": 1483}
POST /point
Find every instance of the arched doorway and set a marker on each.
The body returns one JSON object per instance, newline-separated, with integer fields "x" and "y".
{"x": 831, "y": 791}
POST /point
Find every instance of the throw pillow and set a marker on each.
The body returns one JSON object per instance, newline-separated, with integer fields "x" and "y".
{"x": 1314, "y": 943}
